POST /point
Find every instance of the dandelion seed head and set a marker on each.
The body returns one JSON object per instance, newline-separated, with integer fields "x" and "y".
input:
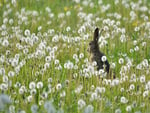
{"x": 123, "y": 38}
{"x": 89, "y": 109}
{"x": 128, "y": 108}
{"x": 136, "y": 48}
{"x": 81, "y": 55}
{"x": 32, "y": 85}
{"x": 68, "y": 29}
{"x": 81, "y": 103}
{"x": 29, "y": 98}
{"x": 118, "y": 110}
{"x": 39, "y": 28}
{"x": 132, "y": 87}
{"x": 92, "y": 87}
{"x": 27, "y": 32}
{"x": 34, "y": 108}
{"x": 61, "y": 15}
{"x": 63, "y": 94}
{"x": 103, "y": 58}
{"x": 145, "y": 93}
{"x": 11, "y": 74}
{"x": 48, "y": 58}
{"x": 5, "y": 43}
{"x": 39, "y": 85}
{"x": 75, "y": 56}
{"x": 21, "y": 111}
{"x": 101, "y": 71}
{"x": 78, "y": 89}
{"x": 94, "y": 63}
{"x": 21, "y": 91}
{"x": 136, "y": 29}
{"x": 94, "y": 96}
{"x": 4, "y": 86}
{"x": 5, "y": 79}
{"x": 58, "y": 86}
{"x": 100, "y": 90}
{"x": 56, "y": 62}
{"x": 50, "y": 80}
{"x": 41, "y": 102}
{"x": 123, "y": 100}
{"x": 11, "y": 108}
{"x": 68, "y": 13}
{"x": 142, "y": 79}
{"x": 121, "y": 61}
{"x": 44, "y": 95}
{"x": 113, "y": 65}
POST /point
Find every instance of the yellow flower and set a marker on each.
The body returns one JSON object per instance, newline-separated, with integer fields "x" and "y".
{"x": 65, "y": 8}
{"x": 135, "y": 23}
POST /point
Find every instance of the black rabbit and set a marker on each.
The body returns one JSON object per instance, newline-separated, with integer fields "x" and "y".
{"x": 96, "y": 54}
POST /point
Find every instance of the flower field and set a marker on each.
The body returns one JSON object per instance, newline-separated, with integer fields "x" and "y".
{"x": 45, "y": 66}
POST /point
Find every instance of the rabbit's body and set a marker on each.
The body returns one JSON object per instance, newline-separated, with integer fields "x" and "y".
{"x": 96, "y": 54}
{"x": 100, "y": 64}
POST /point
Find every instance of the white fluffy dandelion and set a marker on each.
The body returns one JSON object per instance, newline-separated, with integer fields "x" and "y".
{"x": 128, "y": 108}
{"x": 5, "y": 43}
{"x": 145, "y": 93}
{"x": 11, "y": 74}
{"x": 123, "y": 100}
{"x": 81, "y": 55}
{"x": 21, "y": 91}
{"x": 29, "y": 98}
{"x": 58, "y": 86}
{"x": 142, "y": 79}
{"x": 118, "y": 110}
{"x": 89, "y": 109}
{"x": 94, "y": 96}
{"x": 75, "y": 56}
{"x": 48, "y": 58}
{"x": 39, "y": 85}
{"x": 33, "y": 91}
{"x": 81, "y": 103}
{"x": 132, "y": 87}
{"x": 121, "y": 61}
{"x": 104, "y": 58}
{"x": 27, "y": 32}
{"x": 5, "y": 79}
{"x": 32, "y": 85}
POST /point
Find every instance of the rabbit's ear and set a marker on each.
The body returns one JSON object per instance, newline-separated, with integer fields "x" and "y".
{"x": 96, "y": 34}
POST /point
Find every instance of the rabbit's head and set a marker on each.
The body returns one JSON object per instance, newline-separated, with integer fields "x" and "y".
{"x": 93, "y": 45}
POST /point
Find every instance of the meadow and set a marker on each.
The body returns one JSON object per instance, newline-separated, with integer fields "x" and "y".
{"x": 45, "y": 66}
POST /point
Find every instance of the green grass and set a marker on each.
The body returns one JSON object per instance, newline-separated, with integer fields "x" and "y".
{"x": 106, "y": 102}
